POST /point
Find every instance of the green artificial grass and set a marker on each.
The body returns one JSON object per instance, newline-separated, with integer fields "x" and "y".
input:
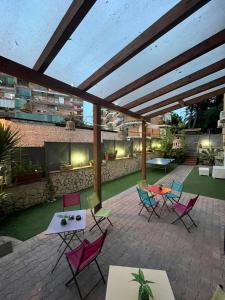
{"x": 204, "y": 185}
{"x": 31, "y": 221}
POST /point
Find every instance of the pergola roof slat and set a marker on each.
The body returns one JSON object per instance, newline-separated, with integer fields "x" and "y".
{"x": 183, "y": 95}
{"x": 207, "y": 45}
{"x": 71, "y": 20}
{"x": 12, "y": 68}
{"x": 177, "y": 84}
{"x": 173, "y": 17}
{"x": 187, "y": 103}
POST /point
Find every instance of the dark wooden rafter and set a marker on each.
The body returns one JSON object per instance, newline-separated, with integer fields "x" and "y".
{"x": 71, "y": 20}
{"x": 12, "y": 68}
{"x": 187, "y": 103}
{"x": 181, "y": 96}
{"x": 97, "y": 152}
{"x": 207, "y": 45}
{"x": 173, "y": 17}
{"x": 143, "y": 156}
{"x": 219, "y": 65}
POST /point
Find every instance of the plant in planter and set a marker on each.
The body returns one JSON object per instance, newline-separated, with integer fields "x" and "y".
{"x": 91, "y": 162}
{"x": 207, "y": 156}
{"x": 145, "y": 292}
{"x": 8, "y": 141}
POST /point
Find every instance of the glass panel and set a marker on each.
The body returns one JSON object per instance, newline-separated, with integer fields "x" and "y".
{"x": 191, "y": 67}
{"x": 208, "y": 21}
{"x": 182, "y": 89}
{"x": 108, "y": 27}
{"x": 189, "y": 98}
{"x": 26, "y": 26}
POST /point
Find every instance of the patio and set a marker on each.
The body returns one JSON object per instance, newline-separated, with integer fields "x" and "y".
{"x": 195, "y": 259}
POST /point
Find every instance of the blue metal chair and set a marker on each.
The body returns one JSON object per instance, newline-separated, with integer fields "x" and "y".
{"x": 177, "y": 189}
{"x": 149, "y": 203}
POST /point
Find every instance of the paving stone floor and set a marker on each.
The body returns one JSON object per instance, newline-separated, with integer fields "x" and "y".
{"x": 194, "y": 262}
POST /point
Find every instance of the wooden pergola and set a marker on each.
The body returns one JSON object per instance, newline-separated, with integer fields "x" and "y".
{"x": 189, "y": 75}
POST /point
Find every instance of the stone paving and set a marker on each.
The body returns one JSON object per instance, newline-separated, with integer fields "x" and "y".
{"x": 194, "y": 262}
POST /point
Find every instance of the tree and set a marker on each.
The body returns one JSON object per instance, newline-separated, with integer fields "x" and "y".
{"x": 176, "y": 123}
{"x": 205, "y": 114}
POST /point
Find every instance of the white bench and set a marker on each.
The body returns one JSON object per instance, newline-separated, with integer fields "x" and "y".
{"x": 203, "y": 171}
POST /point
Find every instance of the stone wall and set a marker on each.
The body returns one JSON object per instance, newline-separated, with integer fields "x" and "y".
{"x": 36, "y": 134}
{"x": 81, "y": 178}
{"x": 26, "y": 195}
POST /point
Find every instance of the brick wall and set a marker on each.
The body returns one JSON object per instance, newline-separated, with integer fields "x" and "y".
{"x": 35, "y": 134}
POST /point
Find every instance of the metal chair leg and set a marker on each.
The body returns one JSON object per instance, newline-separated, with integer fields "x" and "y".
{"x": 103, "y": 279}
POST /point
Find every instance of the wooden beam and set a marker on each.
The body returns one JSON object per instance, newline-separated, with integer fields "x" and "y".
{"x": 12, "y": 68}
{"x": 207, "y": 45}
{"x": 143, "y": 155}
{"x": 219, "y": 65}
{"x": 174, "y": 16}
{"x": 181, "y": 96}
{"x": 97, "y": 152}
{"x": 187, "y": 103}
{"x": 71, "y": 20}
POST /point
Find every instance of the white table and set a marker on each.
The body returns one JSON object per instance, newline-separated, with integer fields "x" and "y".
{"x": 120, "y": 286}
{"x": 70, "y": 228}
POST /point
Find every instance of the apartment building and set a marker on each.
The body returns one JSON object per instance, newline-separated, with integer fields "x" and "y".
{"x": 46, "y": 105}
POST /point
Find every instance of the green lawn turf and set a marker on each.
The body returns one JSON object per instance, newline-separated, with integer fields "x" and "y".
{"x": 204, "y": 185}
{"x": 30, "y": 222}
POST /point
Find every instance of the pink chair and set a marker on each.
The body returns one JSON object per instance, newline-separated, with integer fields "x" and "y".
{"x": 71, "y": 200}
{"x": 183, "y": 210}
{"x": 79, "y": 258}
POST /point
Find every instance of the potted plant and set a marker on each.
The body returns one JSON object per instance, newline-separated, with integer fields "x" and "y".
{"x": 144, "y": 292}
{"x": 70, "y": 121}
{"x": 208, "y": 156}
{"x": 8, "y": 141}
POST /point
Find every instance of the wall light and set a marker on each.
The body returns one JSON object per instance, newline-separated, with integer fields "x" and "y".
{"x": 78, "y": 159}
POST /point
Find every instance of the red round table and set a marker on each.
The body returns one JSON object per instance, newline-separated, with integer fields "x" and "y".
{"x": 157, "y": 189}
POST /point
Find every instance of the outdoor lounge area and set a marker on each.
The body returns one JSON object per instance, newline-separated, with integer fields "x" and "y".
{"x": 112, "y": 150}
{"x": 197, "y": 258}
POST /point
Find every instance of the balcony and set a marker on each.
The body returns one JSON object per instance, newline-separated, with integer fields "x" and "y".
{"x": 39, "y": 117}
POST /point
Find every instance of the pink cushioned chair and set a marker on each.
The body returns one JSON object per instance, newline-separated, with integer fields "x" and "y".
{"x": 71, "y": 200}
{"x": 183, "y": 210}
{"x": 79, "y": 258}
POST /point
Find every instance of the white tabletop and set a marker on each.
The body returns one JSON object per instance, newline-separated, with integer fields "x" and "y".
{"x": 120, "y": 286}
{"x": 72, "y": 225}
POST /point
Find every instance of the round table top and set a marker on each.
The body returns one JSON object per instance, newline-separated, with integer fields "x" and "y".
{"x": 157, "y": 189}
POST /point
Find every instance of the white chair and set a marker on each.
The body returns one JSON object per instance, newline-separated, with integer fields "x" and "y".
{"x": 219, "y": 171}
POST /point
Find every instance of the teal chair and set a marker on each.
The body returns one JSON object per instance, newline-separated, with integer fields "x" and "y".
{"x": 149, "y": 203}
{"x": 177, "y": 189}
{"x": 101, "y": 215}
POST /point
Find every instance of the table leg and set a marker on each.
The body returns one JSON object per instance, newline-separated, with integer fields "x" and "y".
{"x": 67, "y": 246}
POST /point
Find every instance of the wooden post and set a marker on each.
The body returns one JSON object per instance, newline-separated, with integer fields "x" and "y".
{"x": 97, "y": 152}
{"x": 143, "y": 156}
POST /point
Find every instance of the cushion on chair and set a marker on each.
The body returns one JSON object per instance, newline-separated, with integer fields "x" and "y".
{"x": 150, "y": 201}
{"x": 171, "y": 195}
{"x": 74, "y": 255}
{"x": 179, "y": 207}
{"x": 103, "y": 212}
